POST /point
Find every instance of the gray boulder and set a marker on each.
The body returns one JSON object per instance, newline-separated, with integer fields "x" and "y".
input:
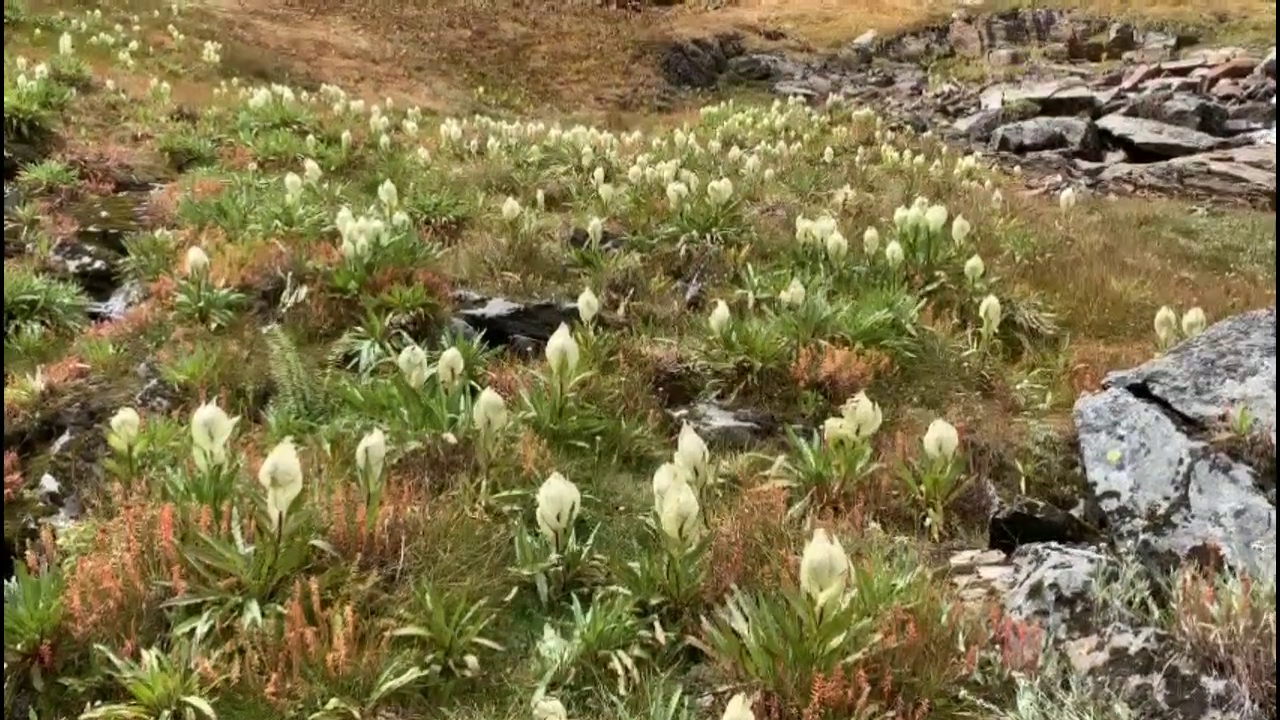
{"x": 1075, "y": 135}
{"x": 1245, "y": 174}
{"x": 979, "y": 125}
{"x": 1182, "y": 109}
{"x": 1154, "y": 138}
{"x": 1156, "y": 477}
{"x": 1115, "y": 648}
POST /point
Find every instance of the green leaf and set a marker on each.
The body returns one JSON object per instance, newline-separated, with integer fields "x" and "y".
{"x": 201, "y": 705}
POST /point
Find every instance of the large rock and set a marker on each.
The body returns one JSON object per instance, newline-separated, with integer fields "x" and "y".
{"x": 1153, "y": 138}
{"x": 1059, "y": 97}
{"x": 1155, "y": 476}
{"x": 521, "y": 326}
{"x": 979, "y": 126}
{"x": 1056, "y": 588}
{"x": 1246, "y": 174}
{"x": 1182, "y": 109}
{"x": 763, "y": 66}
{"x": 699, "y": 63}
{"x": 1075, "y": 135}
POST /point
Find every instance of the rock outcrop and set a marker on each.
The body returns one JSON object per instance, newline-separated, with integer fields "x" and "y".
{"x": 1147, "y": 441}
{"x": 1160, "y": 118}
{"x": 1166, "y": 486}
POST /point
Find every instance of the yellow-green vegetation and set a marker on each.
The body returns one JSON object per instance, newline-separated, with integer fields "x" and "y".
{"x": 309, "y": 495}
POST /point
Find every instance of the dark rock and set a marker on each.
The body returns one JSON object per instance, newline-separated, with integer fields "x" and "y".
{"x": 1268, "y": 65}
{"x": 1154, "y": 477}
{"x": 1245, "y": 174}
{"x": 1006, "y": 57}
{"x": 1064, "y": 97}
{"x": 1075, "y": 135}
{"x": 699, "y": 63}
{"x": 1259, "y": 112}
{"x": 811, "y": 88}
{"x": 89, "y": 265}
{"x": 1120, "y": 39}
{"x": 723, "y": 427}
{"x": 1181, "y": 109}
{"x": 1090, "y": 50}
{"x": 966, "y": 39}
{"x": 762, "y": 66}
{"x": 1114, "y": 646}
{"x": 979, "y": 125}
{"x": 1027, "y": 521}
{"x": 1138, "y": 76}
{"x": 1148, "y": 55}
{"x": 927, "y": 44}
{"x": 1152, "y": 138}
{"x": 504, "y": 322}
{"x": 117, "y": 303}
{"x": 1239, "y": 67}
{"x": 1185, "y": 66}
{"x": 1056, "y": 52}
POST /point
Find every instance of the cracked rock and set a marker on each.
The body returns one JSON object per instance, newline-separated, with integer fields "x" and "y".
{"x": 1153, "y": 476}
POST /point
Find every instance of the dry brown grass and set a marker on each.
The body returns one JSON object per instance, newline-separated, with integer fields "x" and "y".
{"x": 575, "y": 56}
{"x": 827, "y": 23}
{"x": 1231, "y": 624}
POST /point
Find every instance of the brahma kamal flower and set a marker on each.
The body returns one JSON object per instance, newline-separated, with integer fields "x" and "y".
{"x": 388, "y": 195}
{"x": 870, "y": 241}
{"x": 449, "y": 369}
{"x": 1066, "y": 199}
{"x": 292, "y": 188}
{"x": 960, "y": 229}
{"x": 692, "y": 454}
{"x": 511, "y": 209}
{"x": 935, "y": 218}
{"x": 1194, "y": 322}
{"x": 863, "y": 414}
{"x": 720, "y": 318}
{"x": 974, "y": 269}
{"x": 562, "y": 352}
{"x": 197, "y": 262}
{"x": 990, "y": 312}
{"x": 1166, "y": 326}
{"x": 894, "y": 254}
{"x": 679, "y": 513}
{"x": 125, "y": 425}
{"x": 720, "y": 191}
{"x": 837, "y": 246}
{"x": 664, "y": 478}
{"x": 490, "y": 412}
{"x": 941, "y": 440}
{"x": 211, "y": 430}
{"x": 588, "y": 306}
{"x": 371, "y": 454}
{"x": 413, "y": 364}
{"x": 793, "y": 295}
{"x": 281, "y": 476}
{"x": 824, "y": 569}
{"x": 558, "y": 503}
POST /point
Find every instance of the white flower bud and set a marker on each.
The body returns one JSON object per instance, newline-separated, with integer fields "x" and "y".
{"x": 588, "y": 306}
{"x": 1194, "y": 322}
{"x": 824, "y": 569}
{"x": 490, "y": 412}
{"x": 562, "y": 352}
{"x": 941, "y": 440}
{"x": 371, "y": 453}
{"x": 558, "y": 502}
{"x": 720, "y": 318}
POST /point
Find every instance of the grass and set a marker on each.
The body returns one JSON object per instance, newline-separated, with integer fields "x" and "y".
{"x": 307, "y": 497}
